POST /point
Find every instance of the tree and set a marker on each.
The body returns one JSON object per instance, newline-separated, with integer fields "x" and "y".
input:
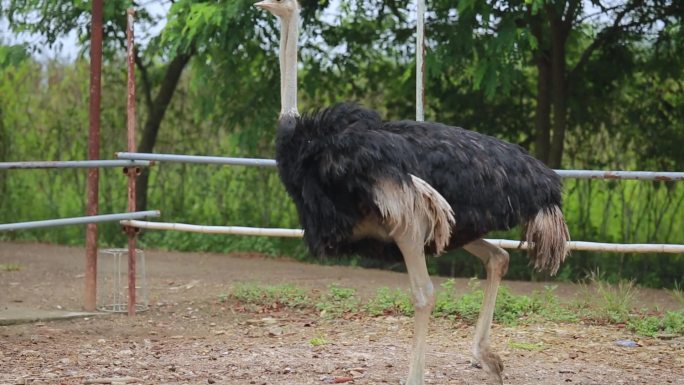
{"x": 194, "y": 28}
{"x": 559, "y": 36}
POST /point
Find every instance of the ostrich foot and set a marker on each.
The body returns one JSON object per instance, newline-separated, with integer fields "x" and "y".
{"x": 492, "y": 364}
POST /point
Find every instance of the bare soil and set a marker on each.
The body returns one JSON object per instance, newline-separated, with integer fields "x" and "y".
{"x": 190, "y": 337}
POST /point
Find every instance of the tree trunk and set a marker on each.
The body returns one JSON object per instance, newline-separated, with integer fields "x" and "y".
{"x": 156, "y": 114}
{"x": 542, "y": 119}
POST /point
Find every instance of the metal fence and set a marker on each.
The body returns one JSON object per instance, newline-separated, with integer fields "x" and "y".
{"x": 130, "y": 161}
{"x": 504, "y": 243}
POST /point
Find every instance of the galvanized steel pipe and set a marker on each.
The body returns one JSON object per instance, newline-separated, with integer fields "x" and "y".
{"x": 75, "y": 164}
{"x": 78, "y": 220}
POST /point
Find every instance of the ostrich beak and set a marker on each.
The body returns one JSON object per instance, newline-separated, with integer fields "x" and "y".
{"x": 264, "y": 4}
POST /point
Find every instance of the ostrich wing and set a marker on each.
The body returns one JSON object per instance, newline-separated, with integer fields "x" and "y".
{"x": 339, "y": 155}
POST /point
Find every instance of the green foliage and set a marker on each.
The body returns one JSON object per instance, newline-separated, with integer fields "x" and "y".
{"x": 510, "y": 309}
{"x": 467, "y": 307}
{"x": 287, "y": 295}
{"x": 678, "y": 294}
{"x": 525, "y": 346}
{"x": 671, "y": 323}
{"x": 547, "y": 306}
{"x": 338, "y": 301}
{"x": 10, "y": 267}
{"x": 318, "y": 340}
{"x": 12, "y": 55}
{"x": 388, "y": 301}
{"x": 607, "y": 301}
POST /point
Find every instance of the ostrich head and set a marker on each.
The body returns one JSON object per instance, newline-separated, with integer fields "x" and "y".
{"x": 288, "y": 13}
{"x": 284, "y": 9}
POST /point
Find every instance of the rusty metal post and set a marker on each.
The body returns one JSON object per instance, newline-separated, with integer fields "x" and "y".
{"x": 90, "y": 294}
{"x": 132, "y": 172}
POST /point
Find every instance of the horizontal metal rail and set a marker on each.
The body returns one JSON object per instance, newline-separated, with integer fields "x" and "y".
{"x": 597, "y": 246}
{"x": 632, "y": 175}
{"x": 197, "y": 159}
{"x": 296, "y": 233}
{"x": 75, "y": 164}
{"x": 78, "y": 220}
{"x": 575, "y": 174}
{"x": 237, "y": 230}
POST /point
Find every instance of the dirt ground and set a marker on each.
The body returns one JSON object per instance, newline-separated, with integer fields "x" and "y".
{"x": 190, "y": 337}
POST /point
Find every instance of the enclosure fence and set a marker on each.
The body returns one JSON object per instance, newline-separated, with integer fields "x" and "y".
{"x": 132, "y": 161}
{"x": 504, "y": 243}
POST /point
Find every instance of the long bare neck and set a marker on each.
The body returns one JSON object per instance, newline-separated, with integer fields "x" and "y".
{"x": 288, "y": 62}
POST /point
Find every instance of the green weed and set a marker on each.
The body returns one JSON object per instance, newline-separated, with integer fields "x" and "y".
{"x": 547, "y": 306}
{"x": 606, "y": 301}
{"x": 525, "y": 346}
{"x": 671, "y": 322}
{"x": 678, "y": 294}
{"x": 467, "y": 307}
{"x": 388, "y": 301}
{"x": 603, "y": 302}
{"x": 9, "y": 267}
{"x": 287, "y": 295}
{"x": 318, "y": 340}
{"x": 338, "y": 301}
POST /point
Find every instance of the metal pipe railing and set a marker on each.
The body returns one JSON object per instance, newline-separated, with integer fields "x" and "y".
{"x": 75, "y": 164}
{"x": 631, "y": 175}
{"x": 235, "y": 230}
{"x": 197, "y": 159}
{"x": 78, "y": 220}
{"x": 298, "y": 233}
{"x": 570, "y": 174}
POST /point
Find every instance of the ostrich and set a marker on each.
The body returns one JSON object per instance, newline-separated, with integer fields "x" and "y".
{"x": 407, "y": 189}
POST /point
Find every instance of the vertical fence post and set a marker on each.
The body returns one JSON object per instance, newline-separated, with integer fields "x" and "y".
{"x": 90, "y": 296}
{"x": 132, "y": 172}
{"x": 420, "y": 60}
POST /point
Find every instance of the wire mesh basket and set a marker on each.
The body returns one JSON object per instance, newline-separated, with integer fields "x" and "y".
{"x": 112, "y": 281}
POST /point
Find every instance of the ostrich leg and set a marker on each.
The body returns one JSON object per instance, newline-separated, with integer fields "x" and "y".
{"x": 423, "y": 297}
{"x": 495, "y": 260}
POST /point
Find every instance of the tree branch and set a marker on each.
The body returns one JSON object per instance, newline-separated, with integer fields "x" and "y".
{"x": 570, "y": 14}
{"x": 602, "y": 37}
{"x": 145, "y": 77}
{"x": 162, "y": 100}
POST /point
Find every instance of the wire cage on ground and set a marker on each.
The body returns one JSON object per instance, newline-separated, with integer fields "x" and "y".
{"x": 112, "y": 281}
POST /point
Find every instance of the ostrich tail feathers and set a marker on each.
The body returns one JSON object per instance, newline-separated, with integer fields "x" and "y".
{"x": 547, "y": 237}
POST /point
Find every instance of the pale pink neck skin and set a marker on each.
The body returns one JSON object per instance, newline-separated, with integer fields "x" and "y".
{"x": 288, "y": 60}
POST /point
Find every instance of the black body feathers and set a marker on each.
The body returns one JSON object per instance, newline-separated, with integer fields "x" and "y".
{"x": 330, "y": 160}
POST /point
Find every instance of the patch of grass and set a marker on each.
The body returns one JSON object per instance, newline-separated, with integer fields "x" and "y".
{"x": 525, "y": 346}
{"x": 318, "y": 340}
{"x": 510, "y": 309}
{"x": 388, "y": 301}
{"x": 9, "y": 267}
{"x": 678, "y": 294}
{"x": 672, "y": 322}
{"x": 338, "y": 301}
{"x": 466, "y": 307}
{"x": 604, "y": 301}
{"x": 547, "y": 306}
{"x": 287, "y": 295}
